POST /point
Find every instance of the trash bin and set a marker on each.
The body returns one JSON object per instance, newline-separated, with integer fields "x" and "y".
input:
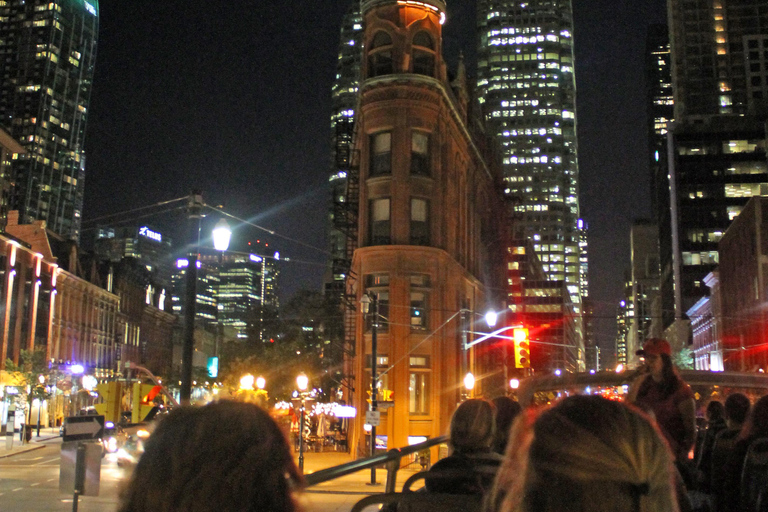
{"x": 28, "y": 432}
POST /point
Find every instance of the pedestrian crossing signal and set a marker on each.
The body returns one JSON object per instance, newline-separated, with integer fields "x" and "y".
{"x": 522, "y": 347}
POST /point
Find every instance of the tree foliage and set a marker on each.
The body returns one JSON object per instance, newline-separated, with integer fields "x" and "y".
{"x": 294, "y": 342}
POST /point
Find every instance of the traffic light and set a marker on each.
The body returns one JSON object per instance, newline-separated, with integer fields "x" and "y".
{"x": 112, "y": 394}
{"x": 143, "y": 401}
{"x": 522, "y": 348}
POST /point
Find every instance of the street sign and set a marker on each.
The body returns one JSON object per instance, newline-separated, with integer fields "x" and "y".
{"x": 83, "y": 428}
{"x": 80, "y": 468}
{"x": 372, "y": 418}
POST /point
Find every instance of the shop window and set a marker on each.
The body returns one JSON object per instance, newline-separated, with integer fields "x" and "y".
{"x": 381, "y": 153}
{"x": 380, "y": 55}
{"x": 420, "y": 154}
{"x": 380, "y": 222}
{"x": 419, "y": 221}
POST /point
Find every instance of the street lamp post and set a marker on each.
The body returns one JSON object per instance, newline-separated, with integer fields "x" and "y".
{"x": 41, "y": 380}
{"x": 464, "y": 351}
{"x": 370, "y": 302}
{"x": 302, "y": 382}
{"x": 194, "y": 214}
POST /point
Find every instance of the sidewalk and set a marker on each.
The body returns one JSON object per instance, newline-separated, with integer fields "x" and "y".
{"x": 46, "y": 434}
{"x": 355, "y": 483}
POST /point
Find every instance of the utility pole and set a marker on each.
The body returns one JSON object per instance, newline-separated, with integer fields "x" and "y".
{"x": 463, "y": 318}
{"x": 374, "y": 376}
{"x": 194, "y": 214}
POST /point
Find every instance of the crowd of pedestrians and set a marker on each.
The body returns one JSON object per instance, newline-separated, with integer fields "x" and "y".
{"x": 582, "y": 453}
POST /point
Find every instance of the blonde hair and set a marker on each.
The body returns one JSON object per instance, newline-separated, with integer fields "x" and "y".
{"x": 585, "y": 454}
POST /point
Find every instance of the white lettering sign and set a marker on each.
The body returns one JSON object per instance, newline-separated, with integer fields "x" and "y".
{"x": 152, "y": 235}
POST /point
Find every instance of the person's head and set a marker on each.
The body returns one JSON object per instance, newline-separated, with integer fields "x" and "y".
{"x": 715, "y": 411}
{"x": 506, "y": 412}
{"x": 757, "y": 421}
{"x": 658, "y": 357}
{"x": 472, "y": 426}
{"x": 736, "y": 409}
{"x": 225, "y": 456}
{"x": 586, "y": 453}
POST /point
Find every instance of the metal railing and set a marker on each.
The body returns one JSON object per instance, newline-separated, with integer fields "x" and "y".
{"x": 391, "y": 459}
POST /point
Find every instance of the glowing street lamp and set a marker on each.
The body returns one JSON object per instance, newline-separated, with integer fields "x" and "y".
{"x": 490, "y": 318}
{"x": 221, "y": 235}
{"x": 261, "y": 382}
{"x": 469, "y": 382}
{"x": 246, "y": 381}
{"x": 302, "y": 381}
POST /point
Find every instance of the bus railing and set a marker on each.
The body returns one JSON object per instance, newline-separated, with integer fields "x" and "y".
{"x": 390, "y": 459}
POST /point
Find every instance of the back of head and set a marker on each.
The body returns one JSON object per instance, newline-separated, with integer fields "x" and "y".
{"x": 736, "y": 408}
{"x": 757, "y": 422}
{"x": 223, "y": 457}
{"x": 585, "y": 454}
{"x": 715, "y": 411}
{"x": 506, "y": 412}
{"x": 472, "y": 426}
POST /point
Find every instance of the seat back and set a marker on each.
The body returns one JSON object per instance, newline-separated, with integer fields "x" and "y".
{"x": 724, "y": 442}
{"x": 419, "y": 502}
{"x": 754, "y": 474}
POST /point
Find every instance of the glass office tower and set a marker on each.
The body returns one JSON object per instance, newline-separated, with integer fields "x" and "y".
{"x": 527, "y": 90}
{"x": 344, "y": 97}
{"x": 47, "y": 57}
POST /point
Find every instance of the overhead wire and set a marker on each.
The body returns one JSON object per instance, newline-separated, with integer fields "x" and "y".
{"x": 161, "y": 203}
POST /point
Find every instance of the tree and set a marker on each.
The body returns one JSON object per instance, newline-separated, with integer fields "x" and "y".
{"x": 33, "y": 366}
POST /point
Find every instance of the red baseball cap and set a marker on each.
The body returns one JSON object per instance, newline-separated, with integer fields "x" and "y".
{"x": 655, "y": 347}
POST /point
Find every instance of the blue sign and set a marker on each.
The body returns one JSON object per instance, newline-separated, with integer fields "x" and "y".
{"x": 213, "y": 367}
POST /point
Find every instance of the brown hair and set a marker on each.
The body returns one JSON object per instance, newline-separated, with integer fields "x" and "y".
{"x": 472, "y": 426}
{"x": 223, "y": 457}
{"x": 584, "y": 454}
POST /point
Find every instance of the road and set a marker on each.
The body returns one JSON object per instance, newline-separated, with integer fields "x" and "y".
{"x": 29, "y": 482}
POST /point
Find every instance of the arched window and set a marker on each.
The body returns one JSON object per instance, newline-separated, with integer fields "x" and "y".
{"x": 380, "y": 55}
{"x": 423, "y": 54}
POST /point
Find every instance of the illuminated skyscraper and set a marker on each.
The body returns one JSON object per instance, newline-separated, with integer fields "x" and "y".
{"x": 344, "y": 97}
{"x": 527, "y": 90}
{"x": 719, "y": 57}
{"x": 47, "y": 59}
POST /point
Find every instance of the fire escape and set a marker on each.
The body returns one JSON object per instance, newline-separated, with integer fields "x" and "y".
{"x": 345, "y": 220}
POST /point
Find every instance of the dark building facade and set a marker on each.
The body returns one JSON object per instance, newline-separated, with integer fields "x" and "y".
{"x": 743, "y": 284}
{"x": 660, "y": 115}
{"x": 716, "y": 167}
{"x": 143, "y": 243}
{"x": 46, "y": 63}
{"x": 344, "y": 98}
{"x": 719, "y": 57}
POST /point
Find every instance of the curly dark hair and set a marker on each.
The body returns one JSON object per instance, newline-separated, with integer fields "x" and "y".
{"x": 223, "y": 457}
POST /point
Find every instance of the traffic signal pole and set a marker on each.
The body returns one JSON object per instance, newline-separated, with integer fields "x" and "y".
{"x": 194, "y": 214}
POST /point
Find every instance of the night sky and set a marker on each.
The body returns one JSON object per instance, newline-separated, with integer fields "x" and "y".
{"x": 233, "y": 98}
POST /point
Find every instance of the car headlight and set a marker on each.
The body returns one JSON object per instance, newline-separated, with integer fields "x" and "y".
{"x": 112, "y": 445}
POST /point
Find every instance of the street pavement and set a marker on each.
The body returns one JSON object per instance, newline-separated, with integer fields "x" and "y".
{"x": 29, "y": 481}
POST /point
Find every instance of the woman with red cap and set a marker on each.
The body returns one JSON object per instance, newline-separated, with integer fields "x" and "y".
{"x": 660, "y": 391}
